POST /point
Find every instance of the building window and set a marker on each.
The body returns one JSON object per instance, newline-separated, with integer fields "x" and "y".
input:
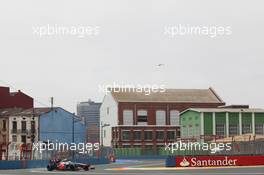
{"x": 126, "y": 146}
{"x": 171, "y": 135}
{"x": 148, "y": 135}
{"x": 160, "y": 135}
{"x": 128, "y": 117}
{"x": 246, "y": 128}
{"x": 14, "y": 127}
{"x": 178, "y": 133}
{"x": 4, "y": 139}
{"x": 14, "y": 138}
{"x": 23, "y": 139}
{"x": 197, "y": 130}
{"x": 175, "y": 118}
{"x": 113, "y": 135}
{"x": 160, "y": 117}
{"x": 117, "y": 135}
{"x": 160, "y": 146}
{"x": 126, "y": 135}
{"x": 190, "y": 131}
{"x": 259, "y": 129}
{"x": 33, "y": 128}
{"x": 23, "y": 126}
{"x": 184, "y": 131}
{"x": 137, "y": 135}
{"x": 107, "y": 110}
{"x": 104, "y": 133}
{"x": 142, "y": 117}
{"x": 137, "y": 146}
{"x": 149, "y": 147}
{"x": 4, "y": 125}
{"x": 220, "y": 130}
{"x": 233, "y": 130}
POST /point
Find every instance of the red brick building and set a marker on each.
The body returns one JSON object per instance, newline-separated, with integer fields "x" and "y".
{"x": 14, "y": 99}
{"x": 148, "y": 121}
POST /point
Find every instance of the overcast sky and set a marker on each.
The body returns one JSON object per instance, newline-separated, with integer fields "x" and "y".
{"x": 130, "y": 43}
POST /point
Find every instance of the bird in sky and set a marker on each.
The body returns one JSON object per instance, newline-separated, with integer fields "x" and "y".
{"x": 159, "y": 65}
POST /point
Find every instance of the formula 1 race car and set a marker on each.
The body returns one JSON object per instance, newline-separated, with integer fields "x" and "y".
{"x": 66, "y": 165}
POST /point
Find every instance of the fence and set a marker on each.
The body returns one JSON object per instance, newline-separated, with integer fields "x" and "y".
{"x": 22, "y": 164}
{"x": 26, "y": 152}
{"x": 238, "y": 148}
{"x": 29, "y": 158}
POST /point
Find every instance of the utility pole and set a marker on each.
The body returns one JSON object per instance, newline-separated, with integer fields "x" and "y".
{"x": 102, "y": 134}
{"x": 73, "y": 134}
{"x": 51, "y": 102}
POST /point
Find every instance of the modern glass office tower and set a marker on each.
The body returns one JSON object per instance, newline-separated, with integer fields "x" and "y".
{"x": 89, "y": 112}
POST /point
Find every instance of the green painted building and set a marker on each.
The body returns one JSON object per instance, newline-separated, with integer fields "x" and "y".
{"x": 224, "y": 122}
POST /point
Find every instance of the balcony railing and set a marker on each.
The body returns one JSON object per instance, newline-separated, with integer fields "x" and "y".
{"x": 23, "y": 131}
{"x": 14, "y": 131}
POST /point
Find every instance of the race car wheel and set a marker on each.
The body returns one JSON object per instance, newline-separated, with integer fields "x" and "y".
{"x": 86, "y": 168}
{"x": 49, "y": 168}
{"x": 72, "y": 167}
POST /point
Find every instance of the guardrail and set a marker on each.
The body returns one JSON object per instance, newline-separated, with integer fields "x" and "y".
{"x": 238, "y": 148}
{"x": 23, "y": 164}
{"x": 214, "y": 161}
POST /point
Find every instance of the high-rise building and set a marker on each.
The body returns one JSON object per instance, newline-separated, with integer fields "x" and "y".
{"x": 89, "y": 112}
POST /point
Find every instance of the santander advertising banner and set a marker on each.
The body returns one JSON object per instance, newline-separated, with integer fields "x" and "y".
{"x": 212, "y": 161}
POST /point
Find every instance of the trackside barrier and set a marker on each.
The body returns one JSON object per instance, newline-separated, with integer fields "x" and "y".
{"x": 23, "y": 164}
{"x": 238, "y": 148}
{"x": 121, "y": 153}
{"x": 214, "y": 161}
{"x": 170, "y": 161}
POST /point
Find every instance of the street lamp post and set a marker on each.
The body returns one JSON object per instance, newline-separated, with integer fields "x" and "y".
{"x": 73, "y": 131}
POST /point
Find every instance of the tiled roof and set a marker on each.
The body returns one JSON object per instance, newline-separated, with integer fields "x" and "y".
{"x": 36, "y": 110}
{"x": 9, "y": 111}
{"x": 226, "y": 110}
{"x": 241, "y": 138}
{"x": 20, "y": 111}
{"x": 170, "y": 95}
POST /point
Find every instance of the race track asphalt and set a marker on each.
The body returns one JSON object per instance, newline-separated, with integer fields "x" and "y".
{"x": 143, "y": 167}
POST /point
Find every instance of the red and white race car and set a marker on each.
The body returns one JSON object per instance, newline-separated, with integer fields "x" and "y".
{"x": 65, "y": 165}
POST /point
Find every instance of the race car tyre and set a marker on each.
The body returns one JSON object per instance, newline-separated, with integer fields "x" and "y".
{"x": 49, "y": 168}
{"x": 72, "y": 167}
{"x": 86, "y": 168}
